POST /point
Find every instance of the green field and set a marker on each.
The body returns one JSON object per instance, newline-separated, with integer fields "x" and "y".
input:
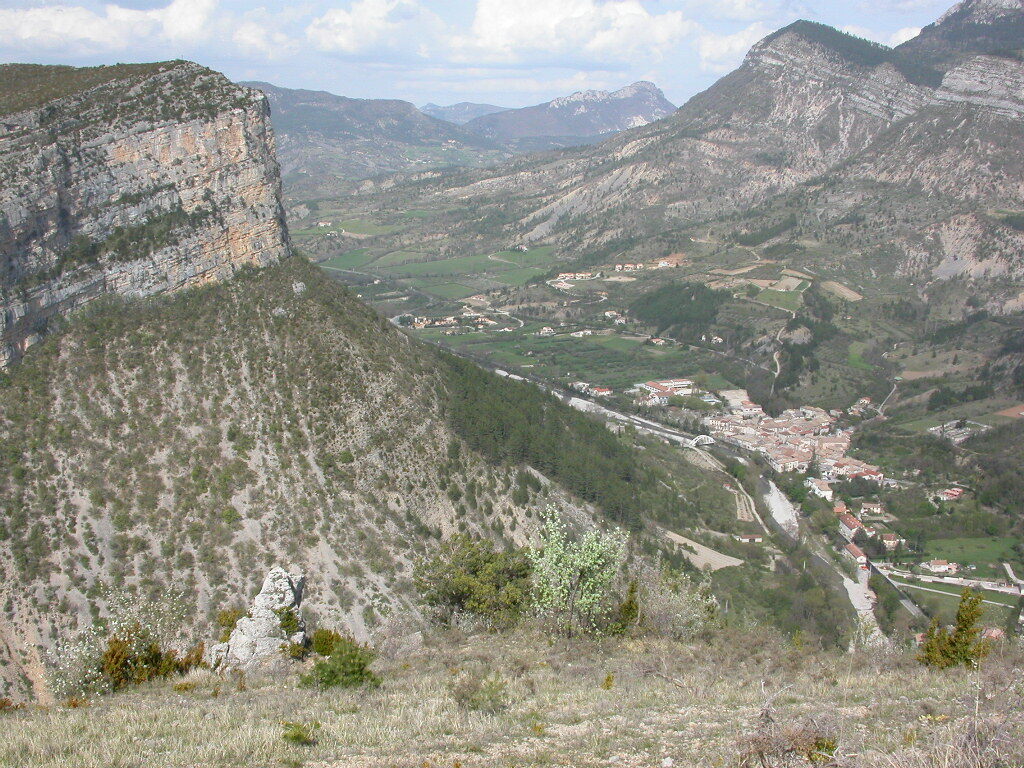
{"x": 790, "y": 300}
{"x": 986, "y": 553}
{"x": 400, "y": 257}
{"x": 943, "y": 606}
{"x": 519, "y": 276}
{"x": 855, "y": 356}
{"x": 449, "y": 290}
{"x": 350, "y": 260}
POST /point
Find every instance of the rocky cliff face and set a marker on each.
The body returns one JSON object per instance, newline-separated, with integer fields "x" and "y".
{"x": 145, "y": 179}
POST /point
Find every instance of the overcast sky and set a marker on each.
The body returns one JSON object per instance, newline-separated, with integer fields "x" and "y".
{"x": 507, "y": 52}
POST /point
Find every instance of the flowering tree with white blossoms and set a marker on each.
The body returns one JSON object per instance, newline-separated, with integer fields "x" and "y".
{"x": 573, "y": 578}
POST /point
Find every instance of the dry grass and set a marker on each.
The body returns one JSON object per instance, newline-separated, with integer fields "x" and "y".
{"x": 700, "y": 705}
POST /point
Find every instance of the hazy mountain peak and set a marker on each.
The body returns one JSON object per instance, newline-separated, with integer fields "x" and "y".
{"x": 577, "y": 118}
{"x": 460, "y": 113}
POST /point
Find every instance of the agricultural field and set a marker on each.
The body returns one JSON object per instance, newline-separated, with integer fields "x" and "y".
{"x": 611, "y": 360}
{"x": 943, "y": 601}
{"x": 351, "y": 260}
{"x": 985, "y": 553}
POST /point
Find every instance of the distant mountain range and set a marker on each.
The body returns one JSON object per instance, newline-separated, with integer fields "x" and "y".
{"x": 585, "y": 115}
{"x": 460, "y": 113}
{"x": 327, "y": 142}
{"x": 816, "y": 134}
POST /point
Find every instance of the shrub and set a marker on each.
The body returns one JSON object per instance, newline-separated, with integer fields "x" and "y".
{"x": 324, "y": 641}
{"x": 346, "y": 667}
{"x": 132, "y": 657}
{"x": 671, "y": 605}
{"x": 135, "y": 644}
{"x": 226, "y": 620}
{"x": 943, "y": 649}
{"x": 290, "y": 623}
{"x": 573, "y": 578}
{"x": 300, "y": 733}
{"x": 481, "y": 693}
{"x": 296, "y": 651}
{"x": 471, "y": 577}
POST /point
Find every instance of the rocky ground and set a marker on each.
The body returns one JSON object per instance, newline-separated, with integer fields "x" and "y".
{"x": 743, "y": 697}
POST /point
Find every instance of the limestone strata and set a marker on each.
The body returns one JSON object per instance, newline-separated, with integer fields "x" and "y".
{"x": 176, "y": 165}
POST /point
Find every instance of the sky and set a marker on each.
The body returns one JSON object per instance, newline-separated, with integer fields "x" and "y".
{"x": 506, "y": 52}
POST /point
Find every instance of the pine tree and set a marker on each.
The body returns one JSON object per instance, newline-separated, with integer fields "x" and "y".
{"x": 963, "y": 646}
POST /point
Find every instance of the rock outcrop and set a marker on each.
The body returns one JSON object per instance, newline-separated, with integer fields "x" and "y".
{"x": 131, "y": 180}
{"x": 272, "y": 623}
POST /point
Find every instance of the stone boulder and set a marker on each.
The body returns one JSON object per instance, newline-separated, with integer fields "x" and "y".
{"x": 259, "y": 637}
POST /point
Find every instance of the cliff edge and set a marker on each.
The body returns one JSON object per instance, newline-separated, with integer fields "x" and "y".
{"x": 129, "y": 180}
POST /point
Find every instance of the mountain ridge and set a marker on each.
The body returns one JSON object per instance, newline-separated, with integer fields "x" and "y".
{"x": 580, "y": 115}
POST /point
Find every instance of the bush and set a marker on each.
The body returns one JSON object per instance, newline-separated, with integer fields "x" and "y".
{"x": 301, "y": 734}
{"x": 324, "y": 640}
{"x": 289, "y": 621}
{"x": 226, "y": 620}
{"x": 471, "y": 577}
{"x": 346, "y": 667}
{"x": 481, "y": 693}
{"x": 961, "y": 647}
{"x": 572, "y": 579}
{"x": 135, "y": 644}
{"x": 671, "y": 605}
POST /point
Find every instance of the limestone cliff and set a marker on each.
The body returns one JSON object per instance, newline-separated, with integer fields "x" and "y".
{"x": 131, "y": 180}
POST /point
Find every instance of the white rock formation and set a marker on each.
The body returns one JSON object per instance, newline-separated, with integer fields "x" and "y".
{"x": 259, "y": 637}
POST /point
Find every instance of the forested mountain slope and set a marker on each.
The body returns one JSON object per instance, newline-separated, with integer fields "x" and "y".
{"x": 191, "y": 441}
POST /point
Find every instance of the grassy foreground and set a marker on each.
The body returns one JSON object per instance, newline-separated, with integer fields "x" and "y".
{"x": 740, "y": 699}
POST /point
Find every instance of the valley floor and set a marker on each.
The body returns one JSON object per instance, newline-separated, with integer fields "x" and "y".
{"x": 524, "y": 700}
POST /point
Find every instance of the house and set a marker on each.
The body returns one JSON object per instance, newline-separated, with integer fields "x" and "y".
{"x": 601, "y": 391}
{"x": 840, "y": 508}
{"x": 856, "y": 554}
{"x": 872, "y": 508}
{"x": 951, "y": 494}
{"x": 940, "y": 566}
{"x": 819, "y": 487}
{"x": 993, "y": 633}
{"x": 547, "y": 330}
{"x": 890, "y": 541}
{"x": 750, "y": 538}
{"x": 849, "y": 525}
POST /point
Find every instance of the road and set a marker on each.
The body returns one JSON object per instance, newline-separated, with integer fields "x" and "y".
{"x": 950, "y": 594}
{"x": 705, "y": 558}
{"x": 1012, "y": 575}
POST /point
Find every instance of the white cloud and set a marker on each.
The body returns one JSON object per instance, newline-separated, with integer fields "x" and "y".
{"x": 516, "y": 30}
{"x": 367, "y": 25}
{"x": 722, "y": 53}
{"x": 78, "y": 28}
{"x": 258, "y": 38}
{"x": 901, "y": 36}
{"x": 734, "y": 9}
